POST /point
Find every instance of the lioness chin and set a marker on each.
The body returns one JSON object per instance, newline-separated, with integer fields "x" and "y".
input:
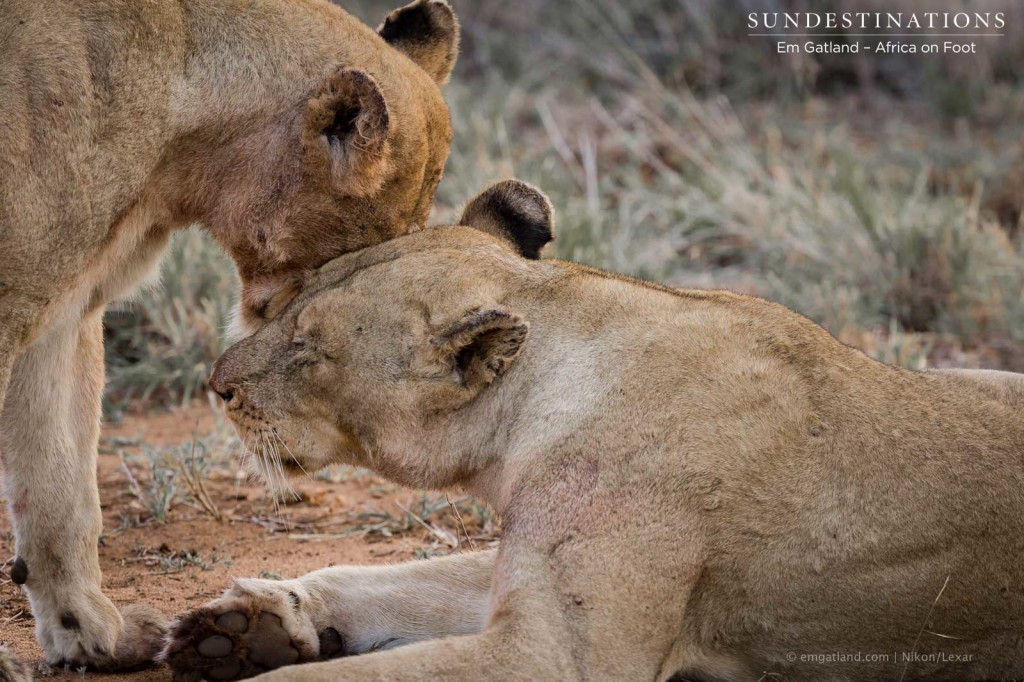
{"x": 691, "y": 483}
{"x": 286, "y": 128}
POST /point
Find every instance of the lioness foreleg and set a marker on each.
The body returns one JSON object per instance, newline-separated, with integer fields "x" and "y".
{"x": 526, "y": 638}
{"x": 512, "y": 653}
{"x": 265, "y": 624}
{"x": 49, "y": 432}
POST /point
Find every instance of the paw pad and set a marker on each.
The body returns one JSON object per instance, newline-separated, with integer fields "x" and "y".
{"x": 270, "y": 645}
{"x": 233, "y": 621}
{"x": 331, "y": 644}
{"x": 237, "y": 644}
{"x": 227, "y": 671}
{"x": 217, "y": 646}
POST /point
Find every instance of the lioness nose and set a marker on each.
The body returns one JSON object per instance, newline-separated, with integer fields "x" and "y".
{"x": 221, "y": 387}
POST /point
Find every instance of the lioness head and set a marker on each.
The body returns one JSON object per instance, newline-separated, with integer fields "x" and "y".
{"x": 383, "y": 342}
{"x": 324, "y": 137}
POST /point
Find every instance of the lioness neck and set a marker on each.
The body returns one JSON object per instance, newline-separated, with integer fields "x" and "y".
{"x": 242, "y": 65}
{"x": 591, "y": 336}
{"x": 605, "y": 344}
{"x": 242, "y": 58}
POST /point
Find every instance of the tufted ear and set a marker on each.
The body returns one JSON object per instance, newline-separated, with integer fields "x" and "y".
{"x": 514, "y": 211}
{"x": 346, "y": 127}
{"x": 482, "y": 345}
{"x": 428, "y": 33}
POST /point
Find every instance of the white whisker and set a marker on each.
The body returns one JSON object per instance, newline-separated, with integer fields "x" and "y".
{"x": 269, "y": 472}
{"x": 286, "y": 485}
{"x": 291, "y": 455}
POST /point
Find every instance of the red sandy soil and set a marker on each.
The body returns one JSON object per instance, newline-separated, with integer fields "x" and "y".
{"x": 139, "y": 562}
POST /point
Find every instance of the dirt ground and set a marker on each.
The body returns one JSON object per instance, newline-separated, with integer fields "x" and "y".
{"x": 190, "y": 556}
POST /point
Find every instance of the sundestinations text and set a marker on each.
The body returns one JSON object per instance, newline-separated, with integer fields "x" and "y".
{"x": 877, "y": 20}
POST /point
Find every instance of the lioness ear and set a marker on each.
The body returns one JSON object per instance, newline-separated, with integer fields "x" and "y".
{"x": 428, "y": 33}
{"x": 514, "y": 211}
{"x": 482, "y": 346}
{"x": 347, "y": 124}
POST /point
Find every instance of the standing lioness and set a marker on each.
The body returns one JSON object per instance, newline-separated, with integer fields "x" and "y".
{"x": 289, "y": 130}
{"x": 690, "y": 482}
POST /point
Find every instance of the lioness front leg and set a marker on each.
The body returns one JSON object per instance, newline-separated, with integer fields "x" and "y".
{"x": 529, "y": 636}
{"x": 517, "y": 651}
{"x": 260, "y": 625}
{"x": 526, "y": 638}
{"x": 49, "y": 431}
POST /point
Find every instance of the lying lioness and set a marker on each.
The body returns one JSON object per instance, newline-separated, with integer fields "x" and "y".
{"x": 691, "y": 483}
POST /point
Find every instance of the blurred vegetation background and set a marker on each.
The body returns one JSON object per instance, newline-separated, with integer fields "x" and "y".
{"x": 882, "y": 196}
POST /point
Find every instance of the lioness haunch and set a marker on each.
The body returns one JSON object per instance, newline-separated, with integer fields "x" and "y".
{"x": 691, "y": 483}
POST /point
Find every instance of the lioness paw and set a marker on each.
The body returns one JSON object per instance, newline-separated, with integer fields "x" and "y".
{"x": 90, "y": 631}
{"x": 258, "y": 625}
{"x": 12, "y": 669}
{"x": 141, "y": 638}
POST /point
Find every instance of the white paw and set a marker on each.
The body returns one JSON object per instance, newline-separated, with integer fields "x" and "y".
{"x": 12, "y": 669}
{"x": 84, "y": 628}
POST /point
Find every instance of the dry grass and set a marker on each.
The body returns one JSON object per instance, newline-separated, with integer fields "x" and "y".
{"x": 162, "y": 477}
{"x": 203, "y": 477}
{"x": 160, "y": 344}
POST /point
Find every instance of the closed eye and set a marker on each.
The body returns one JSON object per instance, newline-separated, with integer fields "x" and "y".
{"x": 304, "y": 352}
{"x": 308, "y": 350}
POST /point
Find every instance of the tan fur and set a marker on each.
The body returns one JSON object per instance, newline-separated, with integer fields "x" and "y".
{"x": 288, "y": 129}
{"x": 690, "y": 482}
